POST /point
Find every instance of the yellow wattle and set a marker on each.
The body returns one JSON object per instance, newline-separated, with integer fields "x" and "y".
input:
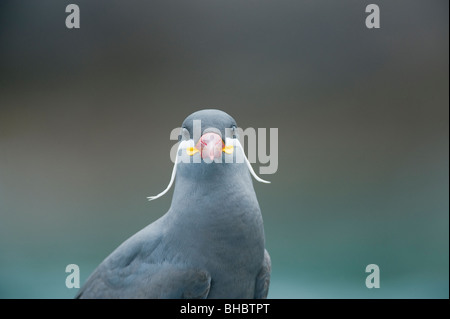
{"x": 191, "y": 151}
{"x": 229, "y": 149}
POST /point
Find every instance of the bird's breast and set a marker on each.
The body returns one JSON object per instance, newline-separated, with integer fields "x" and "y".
{"x": 218, "y": 227}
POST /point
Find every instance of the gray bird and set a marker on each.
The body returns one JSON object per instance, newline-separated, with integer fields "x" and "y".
{"x": 210, "y": 244}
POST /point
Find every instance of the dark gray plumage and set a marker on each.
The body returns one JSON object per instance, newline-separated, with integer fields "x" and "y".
{"x": 210, "y": 244}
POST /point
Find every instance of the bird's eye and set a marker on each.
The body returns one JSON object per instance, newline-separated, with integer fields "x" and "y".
{"x": 233, "y": 130}
{"x": 184, "y": 134}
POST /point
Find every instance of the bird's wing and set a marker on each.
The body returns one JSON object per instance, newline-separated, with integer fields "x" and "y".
{"x": 156, "y": 282}
{"x": 134, "y": 271}
{"x": 263, "y": 278}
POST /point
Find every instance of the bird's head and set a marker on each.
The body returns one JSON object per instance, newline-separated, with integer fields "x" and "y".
{"x": 206, "y": 136}
{"x": 208, "y": 142}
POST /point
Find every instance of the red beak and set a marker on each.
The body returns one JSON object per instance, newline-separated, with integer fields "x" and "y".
{"x": 210, "y": 146}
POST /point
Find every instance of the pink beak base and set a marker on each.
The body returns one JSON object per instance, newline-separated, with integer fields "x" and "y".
{"x": 210, "y": 146}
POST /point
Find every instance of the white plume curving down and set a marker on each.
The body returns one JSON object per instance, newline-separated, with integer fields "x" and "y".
{"x": 234, "y": 141}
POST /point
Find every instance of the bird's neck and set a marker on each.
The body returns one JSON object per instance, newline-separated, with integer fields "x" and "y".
{"x": 222, "y": 189}
{"x": 218, "y": 215}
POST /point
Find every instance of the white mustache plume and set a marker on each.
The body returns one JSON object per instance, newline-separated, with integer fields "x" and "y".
{"x": 229, "y": 141}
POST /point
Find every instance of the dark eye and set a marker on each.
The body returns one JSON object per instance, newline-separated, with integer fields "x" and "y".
{"x": 184, "y": 134}
{"x": 233, "y": 130}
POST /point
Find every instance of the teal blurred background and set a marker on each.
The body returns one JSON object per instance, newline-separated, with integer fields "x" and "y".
{"x": 85, "y": 117}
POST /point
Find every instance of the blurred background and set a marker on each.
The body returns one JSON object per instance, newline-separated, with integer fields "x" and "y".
{"x": 363, "y": 175}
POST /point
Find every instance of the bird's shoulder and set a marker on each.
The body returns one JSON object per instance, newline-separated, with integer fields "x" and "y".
{"x": 138, "y": 269}
{"x": 139, "y": 246}
{"x": 120, "y": 265}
